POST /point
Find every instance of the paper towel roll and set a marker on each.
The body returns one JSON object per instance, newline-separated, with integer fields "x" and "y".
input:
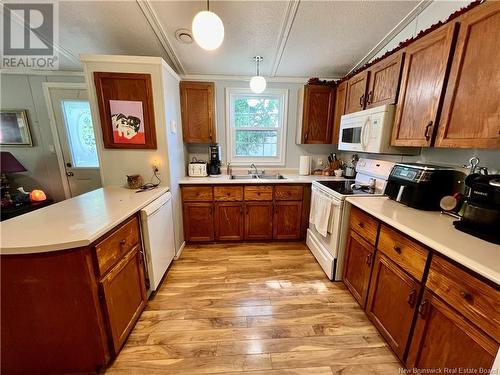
{"x": 304, "y": 165}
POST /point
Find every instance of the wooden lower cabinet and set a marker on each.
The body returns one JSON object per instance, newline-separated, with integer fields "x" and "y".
{"x": 229, "y": 221}
{"x": 287, "y": 220}
{"x": 124, "y": 296}
{"x": 198, "y": 221}
{"x": 258, "y": 220}
{"x": 358, "y": 266}
{"x": 234, "y": 212}
{"x": 391, "y": 302}
{"x": 445, "y": 339}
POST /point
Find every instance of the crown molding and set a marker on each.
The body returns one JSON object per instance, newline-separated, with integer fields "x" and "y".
{"x": 391, "y": 34}
{"x": 215, "y": 77}
{"x": 33, "y": 72}
{"x": 286, "y": 27}
{"x": 159, "y": 31}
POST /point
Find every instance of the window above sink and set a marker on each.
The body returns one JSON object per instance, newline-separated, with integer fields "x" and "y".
{"x": 256, "y": 126}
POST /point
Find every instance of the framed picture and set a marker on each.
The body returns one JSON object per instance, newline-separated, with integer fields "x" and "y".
{"x": 14, "y": 128}
{"x": 126, "y": 110}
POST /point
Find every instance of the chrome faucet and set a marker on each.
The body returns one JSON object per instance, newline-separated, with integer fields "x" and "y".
{"x": 254, "y": 167}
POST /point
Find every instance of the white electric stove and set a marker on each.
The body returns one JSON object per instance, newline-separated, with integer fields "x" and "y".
{"x": 371, "y": 179}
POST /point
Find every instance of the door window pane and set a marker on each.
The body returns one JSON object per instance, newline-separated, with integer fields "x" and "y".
{"x": 81, "y": 140}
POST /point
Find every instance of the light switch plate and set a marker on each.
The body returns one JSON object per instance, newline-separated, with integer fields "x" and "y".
{"x": 173, "y": 127}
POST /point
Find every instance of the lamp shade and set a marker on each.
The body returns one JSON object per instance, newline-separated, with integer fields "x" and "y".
{"x": 9, "y": 164}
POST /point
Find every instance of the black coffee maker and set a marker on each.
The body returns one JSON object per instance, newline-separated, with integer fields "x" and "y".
{"x": 214, "y": 161}
{"x": 481, "y": 213}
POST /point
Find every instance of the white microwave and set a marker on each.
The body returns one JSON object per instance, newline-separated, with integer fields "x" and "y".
{"x": 370, "y": 131}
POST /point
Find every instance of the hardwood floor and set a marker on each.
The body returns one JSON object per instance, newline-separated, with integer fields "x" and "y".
{"x": 256, "y": 309}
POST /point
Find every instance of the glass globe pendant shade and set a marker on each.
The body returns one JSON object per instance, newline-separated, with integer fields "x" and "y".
{"x": 208, "y": 30}
{"x": 258, "y": 84}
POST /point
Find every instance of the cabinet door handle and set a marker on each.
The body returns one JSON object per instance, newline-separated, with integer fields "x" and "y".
{"x": 306, "y": 136}
{"x": 369, "y": 259}
{"x": 422, "y": 309}
{"x": 370, "y": 97}
{"x": 123, "y": 242}
{"x": 411, "y": 298}
{"x": 397, "y": 249}
{"x": 361, "y": 100}
{"x": 465, "y": 295}
{"x": 361, "y": 225}
{"x": 426, "y": 134}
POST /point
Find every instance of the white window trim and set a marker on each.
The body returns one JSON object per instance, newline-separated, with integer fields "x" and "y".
{"x": 282, "y": 133}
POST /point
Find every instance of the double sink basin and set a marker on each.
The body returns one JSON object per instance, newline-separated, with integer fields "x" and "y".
{"x": 257, "y": 177}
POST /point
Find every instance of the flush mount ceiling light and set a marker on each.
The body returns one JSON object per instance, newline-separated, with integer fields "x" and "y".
{"x": 208, "y": 29}
{"x": 258, "y": 83}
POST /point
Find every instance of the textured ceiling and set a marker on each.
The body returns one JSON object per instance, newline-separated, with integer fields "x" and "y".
{"x": 296, "y": 39}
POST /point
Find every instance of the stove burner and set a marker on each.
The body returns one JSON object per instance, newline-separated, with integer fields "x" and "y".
{"x": 347, "y": 187}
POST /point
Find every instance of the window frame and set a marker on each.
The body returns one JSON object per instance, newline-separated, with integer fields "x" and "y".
{"x": 279, "y": 160}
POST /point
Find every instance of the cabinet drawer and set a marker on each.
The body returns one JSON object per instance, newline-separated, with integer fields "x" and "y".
{"x": 228, "y": 193}
{"x": 288, "y": 193}
{"x": 404, "y": 251}
{"x": 476, "y": 300}
{"x": 197, "y": 193}
{"x": 364, "y": 224}
{"x": 117, "y": 244}
{"x": 259, "y": 193}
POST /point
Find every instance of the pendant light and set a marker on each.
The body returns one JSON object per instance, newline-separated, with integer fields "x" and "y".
{"x": 258, "y": 83}
{"x": 208, "y": 29}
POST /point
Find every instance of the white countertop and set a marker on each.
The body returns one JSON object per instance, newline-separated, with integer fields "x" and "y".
{"x": 436, "y": 231}
{"x": 75, "y": 222}
{"x": 289, "y": 179}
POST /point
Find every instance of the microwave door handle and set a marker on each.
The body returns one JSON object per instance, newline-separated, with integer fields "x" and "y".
{"x": 363, "y": 133}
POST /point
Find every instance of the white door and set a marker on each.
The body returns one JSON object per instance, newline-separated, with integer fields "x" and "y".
{"x": 73, "y": 122}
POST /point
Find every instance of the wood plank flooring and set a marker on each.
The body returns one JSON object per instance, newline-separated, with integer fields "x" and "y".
{"x": 254, "y": 309}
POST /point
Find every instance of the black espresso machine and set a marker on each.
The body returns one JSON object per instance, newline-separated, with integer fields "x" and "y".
{"x": 420, "y": 186}
{"x": 481, "y": 213}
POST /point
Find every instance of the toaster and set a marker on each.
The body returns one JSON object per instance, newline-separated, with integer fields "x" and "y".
{"x": 197, "y": 169}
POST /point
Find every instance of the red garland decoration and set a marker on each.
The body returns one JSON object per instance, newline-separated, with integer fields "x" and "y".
{"x": 401, "y": 45}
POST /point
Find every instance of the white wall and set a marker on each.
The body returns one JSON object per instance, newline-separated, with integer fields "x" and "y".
{"x": 177, "y": 153}
{"x": 22, "y": 91}
{"x": 293, "y": 151}
{"x": 435, "y": 12}
{"x": 117, "y": 163}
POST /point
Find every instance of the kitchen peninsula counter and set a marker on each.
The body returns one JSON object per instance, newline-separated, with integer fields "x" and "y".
{"x": 74, "y": 222}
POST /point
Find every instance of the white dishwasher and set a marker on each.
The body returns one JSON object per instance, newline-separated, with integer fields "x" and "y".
{"x": 158, "y": 238}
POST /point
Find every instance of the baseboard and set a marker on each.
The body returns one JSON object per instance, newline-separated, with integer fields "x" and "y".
{"x": 178, "y": 253}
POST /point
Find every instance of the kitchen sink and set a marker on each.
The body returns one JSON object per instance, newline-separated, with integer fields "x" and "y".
{"x": 244, "y": 177}
{"x": 257, "y": 176}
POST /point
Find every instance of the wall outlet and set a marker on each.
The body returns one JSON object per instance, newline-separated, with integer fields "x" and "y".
{"x": 321, "y": 162}
{"x": 156, "y": 167}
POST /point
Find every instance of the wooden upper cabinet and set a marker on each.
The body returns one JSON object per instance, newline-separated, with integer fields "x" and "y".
{"x": 422, "y": 83}
{"x": 317, "y": 115}
{"x": 356, "y": 92}
{"x": 384, "y": 80}
{"x": 340, "y": 101}
{"x": 471, "y": 111}
{"x": 442, "y": 338}
{"x": 198, "y": 112}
